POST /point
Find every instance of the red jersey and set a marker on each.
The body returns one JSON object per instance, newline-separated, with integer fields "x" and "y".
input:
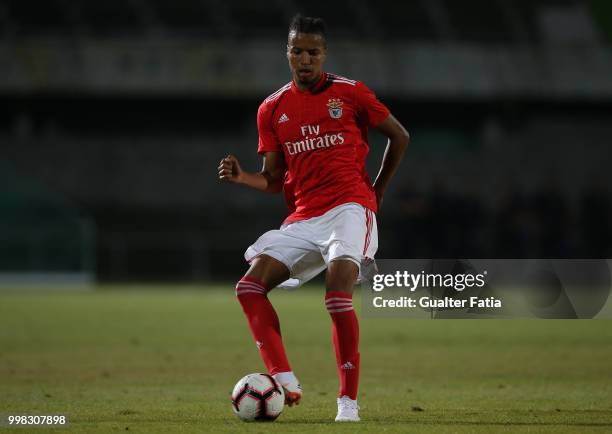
{"x": 323, "y": 134}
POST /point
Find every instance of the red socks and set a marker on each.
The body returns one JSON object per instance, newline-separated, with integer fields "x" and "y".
{"x": 263, "y": 323}
{"x": 265, "y": 328}
{"x": 345, "y": 333}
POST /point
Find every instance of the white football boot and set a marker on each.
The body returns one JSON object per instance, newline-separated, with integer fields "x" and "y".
{"x": 348, "y": 410}
{"x": 293, "y": 390}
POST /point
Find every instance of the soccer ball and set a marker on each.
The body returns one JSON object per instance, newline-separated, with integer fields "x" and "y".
{"x": 258, "y": 397}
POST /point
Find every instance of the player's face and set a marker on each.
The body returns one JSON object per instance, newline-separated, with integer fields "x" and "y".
{"x": 306, "y": 53}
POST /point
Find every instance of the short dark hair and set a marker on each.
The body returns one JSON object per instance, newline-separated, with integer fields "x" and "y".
{"x": 302, "y": 24}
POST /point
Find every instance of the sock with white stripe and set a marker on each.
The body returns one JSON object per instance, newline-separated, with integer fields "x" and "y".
{"x": 263, "y": 323}
{"x": 345, "y": 333}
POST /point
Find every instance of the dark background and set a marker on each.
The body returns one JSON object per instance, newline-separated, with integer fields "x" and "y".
{"x": 115, "y": 114}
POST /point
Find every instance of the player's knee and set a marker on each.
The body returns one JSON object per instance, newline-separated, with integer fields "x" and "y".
{"x": 341, "y": 275}
{"x": 248, "y": 287}
{"x": 268, "y": 271}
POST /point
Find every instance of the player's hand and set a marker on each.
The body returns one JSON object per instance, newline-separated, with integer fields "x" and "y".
{"x": 230, "y": 170}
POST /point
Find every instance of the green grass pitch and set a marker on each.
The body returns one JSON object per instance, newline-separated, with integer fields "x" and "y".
{"x": 153, "y": 359}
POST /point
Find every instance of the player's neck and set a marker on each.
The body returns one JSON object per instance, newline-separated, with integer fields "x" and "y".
{"x": 308, "y": 86}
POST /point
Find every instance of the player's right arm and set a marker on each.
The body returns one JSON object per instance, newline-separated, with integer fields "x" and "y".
{"x": 270, "y": 179}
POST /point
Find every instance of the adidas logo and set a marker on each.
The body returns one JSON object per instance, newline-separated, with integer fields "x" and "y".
{"x": 347, "y": 365}
{"x": 259, "y": 344}
{"x": 283, "y": 118}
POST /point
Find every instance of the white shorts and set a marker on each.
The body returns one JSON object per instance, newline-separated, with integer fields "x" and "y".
{"x": 307, "y": 247}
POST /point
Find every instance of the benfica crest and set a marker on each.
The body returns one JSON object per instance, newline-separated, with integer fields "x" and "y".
{"x": 334, "y": 105}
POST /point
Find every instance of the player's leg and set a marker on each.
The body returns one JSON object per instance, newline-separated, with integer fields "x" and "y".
{"x": 264, "y": 274}
{"x": 339, "y": 282}
{"x": 269, "y": 270}
{"x": 351, "y": 245}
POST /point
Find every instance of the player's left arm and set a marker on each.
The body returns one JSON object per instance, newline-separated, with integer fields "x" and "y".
{"x": 396, "y": 146}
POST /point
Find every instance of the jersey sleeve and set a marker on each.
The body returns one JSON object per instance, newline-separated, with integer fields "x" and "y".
{"x": 370, "y": 108}
{"x": 268, "y": 141}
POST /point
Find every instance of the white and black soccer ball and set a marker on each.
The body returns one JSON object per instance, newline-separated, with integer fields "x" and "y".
{"x": 258, "y": 397}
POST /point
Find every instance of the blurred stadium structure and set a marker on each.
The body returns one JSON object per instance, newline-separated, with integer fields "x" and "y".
{"x": 118, "y": 111}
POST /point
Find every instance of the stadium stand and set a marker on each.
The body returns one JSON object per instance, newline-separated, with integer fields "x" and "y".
{"x": 124, "y": 108}
{"x": 106, "y": 18}
{"x": 489, "y": 26}
{"x": 406, "y": 21}
{"x": 33, "y": 18}
{"x": 43, "y": 238}
{"x": 480, "y": 21}
{"x": 189, "y": 17}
